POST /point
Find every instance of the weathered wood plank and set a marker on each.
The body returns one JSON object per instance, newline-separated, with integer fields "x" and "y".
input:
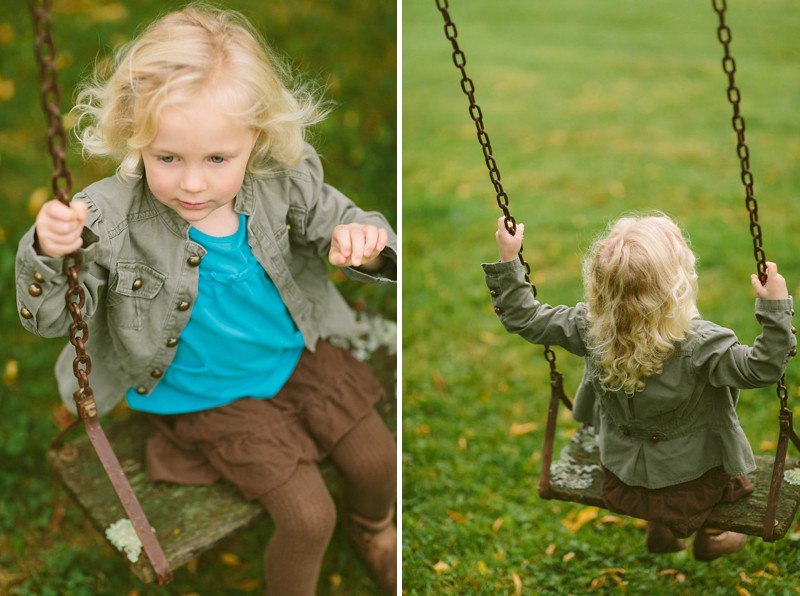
{"x": 576, "y": 477}
{"x": 188, "y": 519}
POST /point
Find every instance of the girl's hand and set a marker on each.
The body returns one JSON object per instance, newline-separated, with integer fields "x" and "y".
{"x": 775, "y": 288}
{"x": 508, "y": 245}
{"x": 59, "y": 228}
{"x": 358, "y": 245}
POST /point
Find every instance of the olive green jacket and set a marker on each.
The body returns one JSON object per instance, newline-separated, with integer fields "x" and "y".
{"x": 140, "y": 273}
{"x": 684, "y": 422}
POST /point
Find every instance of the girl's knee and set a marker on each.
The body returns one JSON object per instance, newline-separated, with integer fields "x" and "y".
{"x": 312, "y": 521}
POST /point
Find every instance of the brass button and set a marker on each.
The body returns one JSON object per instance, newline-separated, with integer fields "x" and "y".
{"x": 493, "y": 293}
{"x": 655, "y": 438}
{"x": 498, "y": 310}
{"x": 137, "y": 283}
{"x": 157, "y": 373}
{"x": 172, "y": 342}
{"x": 193, "y": 261}
{"x": 183, "y": 306}
{"x": 794, "y": 330}
{"x": 288, "y": 227}
{"x": 38, "y": 277}
{"x": 793, "y": 352}
{"x": 35, "y": 290}
{"x": 141, "y": 390}
{"x": 26, "y": 314}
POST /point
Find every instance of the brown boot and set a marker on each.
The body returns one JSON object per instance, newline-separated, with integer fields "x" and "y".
{"x": 710, "y": 544}
{"x": 376, "y": 542}
{"x": 661, "y": 540}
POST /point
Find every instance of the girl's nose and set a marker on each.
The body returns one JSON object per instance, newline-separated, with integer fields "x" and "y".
{"x": 193, "y": 180}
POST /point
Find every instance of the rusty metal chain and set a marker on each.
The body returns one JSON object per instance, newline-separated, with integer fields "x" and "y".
{"x": 62, "y": 187}
{"x": 734, "y": 97}
{"x": 475, "y": 112}
{"x": 786, "y": 430}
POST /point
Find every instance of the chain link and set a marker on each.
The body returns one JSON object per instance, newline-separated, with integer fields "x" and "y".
{"x": 476, "y": 114}
{"x": 62, "y": 188}
{"x": 734, "y": 97}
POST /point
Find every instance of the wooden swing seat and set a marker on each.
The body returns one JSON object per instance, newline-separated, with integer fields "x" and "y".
{"x": 188, "y": 520}
{"x": 576, "y": 477}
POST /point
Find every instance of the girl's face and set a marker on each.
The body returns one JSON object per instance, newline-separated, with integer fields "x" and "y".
{"x": 196, "y": 163}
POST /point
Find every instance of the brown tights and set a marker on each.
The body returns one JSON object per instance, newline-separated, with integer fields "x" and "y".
{"x": 305, "y": 514}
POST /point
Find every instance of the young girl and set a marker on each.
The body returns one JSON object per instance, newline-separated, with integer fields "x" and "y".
{"x": 660, "y": 384}
{"x": 208, "y": 298}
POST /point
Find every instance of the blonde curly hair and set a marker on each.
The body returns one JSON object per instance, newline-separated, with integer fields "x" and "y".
{"x": 641, "y": 289}
{"x": 199, "y": 49}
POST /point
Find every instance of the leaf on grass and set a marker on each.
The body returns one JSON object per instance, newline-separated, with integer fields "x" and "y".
{"x": 575, "y": 521}
{"x": 335, "y": 580}
{"x": 11, "y": 373}
{"x": 6, "y": 33}
{"x": 597, "y": 582}
{"x": 230, "y": 559}
{"x": 498, "y": 523}
{"x": 457, "y": 517}
{"x": 38, "y": 198}
{"x": 767, "y": 445}
{"x": 438, "y": 381}
{"x": 763, "y": 574}
{"x": 608, "y": 519}
{"x": 423, "y": 429}
{"x": 550, "y": 550}
{"x": 490, "y": 338}
{"x": 773, "y": 568}
{"x": 517, "y": 583}
{"x": 462, "y": 443}
{"x": 249, "y": 585}
{"x": 441, "y": 567}
{"x": 613, "y": 570}
{"x": 518, "y": 429}
{"x": 483, "y": 568}
{"x": 62, "y": 417}
{"x": 745, "y": 578}
{"x": 568, "y": 557}
{"x": 679, "y": 577}
{"x": 7, "y": 89}
{"x": 741, "y": 591}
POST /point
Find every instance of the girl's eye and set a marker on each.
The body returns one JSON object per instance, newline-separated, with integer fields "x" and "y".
{"x": 217, "y": 159}
{"x": 167, "y": 158}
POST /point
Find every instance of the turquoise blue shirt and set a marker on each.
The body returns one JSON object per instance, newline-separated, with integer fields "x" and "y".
{"x": 240, "y": 341}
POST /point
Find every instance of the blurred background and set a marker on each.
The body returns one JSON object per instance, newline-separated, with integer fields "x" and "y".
{"x": 594, "y": 110}
{"x": 349, "y": 48}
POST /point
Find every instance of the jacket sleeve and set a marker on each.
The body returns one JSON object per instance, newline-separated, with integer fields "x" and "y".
{"x": 521, "y": 313}
{"x": 731, "y": 364}
{"x": 326, "y": 207}
{"x": 42, "y": 284}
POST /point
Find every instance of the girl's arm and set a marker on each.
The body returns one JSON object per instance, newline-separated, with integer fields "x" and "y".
{"x": 732, "y": 364}
{"x": 40, "y": 280}
{"x": 519, "y": 311}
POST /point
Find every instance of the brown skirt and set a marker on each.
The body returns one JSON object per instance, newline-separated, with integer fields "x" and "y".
{"x": 256, "y": 444}
{"x": 683, "y": 507}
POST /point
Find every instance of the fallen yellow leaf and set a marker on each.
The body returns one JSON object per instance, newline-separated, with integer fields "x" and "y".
{"x": 608, "y": 519}
{"x": 7, "y": 89}
{"x": 767, "y": 445}
{"x": 335, "y": 580}
{"x": 741, "y": 591}
{"x": 6, "y": 33}
{"x": 772, "y": 567}
{"x": 482, "y": 567}
{"x": 568, "y": 557}
{"x": 517, "y": 583}
{"x": 441, "y": 567}
{"x": 745, "y": 578}
{"x": 11, "y": 373}
{"x": 457, "y": 517}
{"x": 550, "y": 550}
{"x": 498, "y": 523}
{"x": 38, "y": 198}
{"x": 462, "y": 443}
{"x": 575, "y": 521}
{"x": 230, "y": 559}
{"x": 518, "y": 429}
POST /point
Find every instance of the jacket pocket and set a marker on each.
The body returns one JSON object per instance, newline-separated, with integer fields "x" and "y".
{"x": 131, "y": 293}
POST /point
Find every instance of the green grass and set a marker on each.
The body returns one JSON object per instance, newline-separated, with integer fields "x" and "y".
{"x": 348, "y": 46}
{"x": 594, "y": 110}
